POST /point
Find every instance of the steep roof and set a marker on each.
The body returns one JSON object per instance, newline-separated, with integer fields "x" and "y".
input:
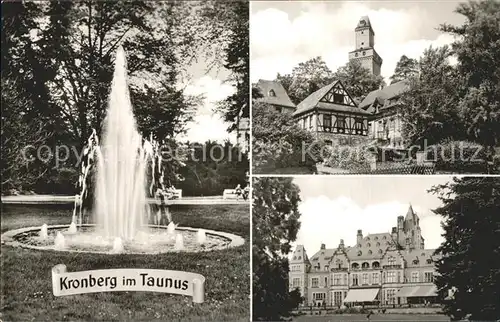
{"x": 280, "y": 95}
{"x": 367, "y": 23}
{"x": 420, "y": 256}
{"x": 371, "y": 247}
{"x": 312, "y": 101}
{"x": 299, "y": 255}
{"x": 383, "y": 95}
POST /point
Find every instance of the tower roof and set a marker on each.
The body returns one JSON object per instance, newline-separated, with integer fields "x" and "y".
{"x": 364, "y": 22}
{"x": 300, "y": 255}
{"x": 410, "y": 214}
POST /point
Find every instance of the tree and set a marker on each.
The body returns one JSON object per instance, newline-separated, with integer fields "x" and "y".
{"x": 278, "y": 142}
{"x": 275, "y": 226}
{"x": 358, "y": 80}
{"x": 405, "y": 68}
{"x": 307, "y": 77}
{"x": 469, "y": 265}
{"x": 478, "y": 53}
{"x": 429, "y": 107}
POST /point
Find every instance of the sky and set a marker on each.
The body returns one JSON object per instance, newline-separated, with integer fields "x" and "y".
{"x": 206, "y": 124}
{"x": 335, "y": 207}
{"x": 285, "y": 33}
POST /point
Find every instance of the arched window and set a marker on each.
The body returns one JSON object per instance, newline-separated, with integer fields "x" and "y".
{"x": 370, "y": 252}
{"x": 376, "y": 238}
{"x": 378, "y": 244}
{"x": 365, "y": 265}
{"x": 359, "y": 253}
{"x": 429, "y": 261}
{"x": 367, "y": 238}
{"x": 369, "y": 245}
{"x": 272, "y": 93}
{"x": 355, "y": 266}
{"x": 380, "y": 251}
{"x": 294, "y": 257}
{"x": 415, "y": 262}
{"x": 375, "y": 265}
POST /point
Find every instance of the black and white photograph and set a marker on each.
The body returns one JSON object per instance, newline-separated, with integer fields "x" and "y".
{"x": 125, "y": 168}
{"x": 375, "y": 87}
{"x": 376, "y": 248}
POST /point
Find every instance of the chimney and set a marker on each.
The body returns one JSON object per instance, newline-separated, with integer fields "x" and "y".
{"x": 394, "y": 234}
{"x": 359, "y": 236}
{"x": 323, "y": 246}
{"x": 341, "y": 245}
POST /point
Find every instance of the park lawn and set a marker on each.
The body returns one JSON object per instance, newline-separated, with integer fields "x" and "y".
{"x": 374, "y": 317}
{"x": 26, "y": 289}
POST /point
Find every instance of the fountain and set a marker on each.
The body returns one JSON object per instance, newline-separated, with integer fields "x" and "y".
{"x": 201, "y": 236}
{"x": 118, "y": 246}
{"x": 44, "y": 232}
{"x": 59, "y": 241}
{"x": 72, "y": 228}
{"x": 128, "y": 171}
{"x": 179, "y": 242}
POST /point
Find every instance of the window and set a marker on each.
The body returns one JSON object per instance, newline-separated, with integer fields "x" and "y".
{"x": 272, "y": 93}
{"x": 356, "y": 55}
{"x": 380, "y": 251}
{"x": 375, "y": 278}
{"x": 429, "y": 261}
{"x": 329, "y": 142}
{"x": 376, "y": 265}
{"x": 414, "y": 277}
{"x": 391, "y": 277}
{"x": 314, "y": 282}
{"x": 354, "y": 279}
{"x": 338, "y": 98}
{"x": 370, "y": 252}
{"x": 296, "y": 282}
{"x": 339, "y": 263}
{"x": 369, "y": 245}
{"x": 327, "y": 123}
{"x": 360, "y": 253}
{"x": 364, "y": 53}
{"x": 355, "y": 266}
{"x": 310, "y": 122}
{"x": 279, "y": 109}
{"x": 337, "y": 298}
{"x": 341, "y": 123}
{"x": 365, "y": 279}
{"x": 299, "y": 258}
{"x": 367, "y": 238}
{"x": 391, "y": 260}
{"x": 337, "y": 279}
{"x": 365, "y": 265}
{"x": 390, "y": 297}
{"x": 428, "y": 277}
{"x": 378, "y": 244}
{"x": 304, "y": 123}
{"x": 319, "y": 296}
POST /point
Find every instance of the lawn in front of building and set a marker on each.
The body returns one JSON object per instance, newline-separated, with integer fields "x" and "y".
{"x": 26, "y": 285}
{"x": 373, "y": 317}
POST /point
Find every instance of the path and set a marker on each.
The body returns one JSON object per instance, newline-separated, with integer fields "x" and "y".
{"x": 54, "y": 200}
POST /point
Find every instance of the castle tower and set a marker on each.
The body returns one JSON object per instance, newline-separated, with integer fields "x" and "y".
{"x": 299, "y": 267}
{"x": 365, "y": 42}
{"x": 412, "y": 229}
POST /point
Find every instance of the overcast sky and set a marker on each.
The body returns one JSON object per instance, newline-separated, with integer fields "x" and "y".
{"x": 213, "y": 85}
{"x": 285, "y": 33}
{"x": 335, "y": 207}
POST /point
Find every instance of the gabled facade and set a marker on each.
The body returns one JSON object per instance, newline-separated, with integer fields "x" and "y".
{"x": 385, "y": 121}
{"x": 333, "y": 116}
{"x": 274, "y": 94}
{"x": 381, "y": 269}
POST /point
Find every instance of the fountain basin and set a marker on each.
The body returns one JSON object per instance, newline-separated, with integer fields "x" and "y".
{"x": 152, "y": 239}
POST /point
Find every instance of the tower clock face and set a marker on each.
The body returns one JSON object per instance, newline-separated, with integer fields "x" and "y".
{"x": 362, "y": 23}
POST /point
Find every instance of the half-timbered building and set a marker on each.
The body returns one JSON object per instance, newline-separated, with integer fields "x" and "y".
{"x": 333, "y": 116}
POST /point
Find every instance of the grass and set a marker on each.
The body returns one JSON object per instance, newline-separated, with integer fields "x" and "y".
{"x": 374, "y": 317}
{"x": 26, "y": 287}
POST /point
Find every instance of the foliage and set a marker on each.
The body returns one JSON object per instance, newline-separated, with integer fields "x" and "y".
{"x": 405, "y": 68}
{"x": 429, "y": 108}
{"x": 459, "y": 157}
{"x": 309, "y": 76}
{"x": 212, "y": 167}
{"x": 275, "y": 226}
{"x": 358, "y": 80}
{"x": 478, "y": 53}
{"x": 348, "y": 157}
{"x": 279, "y": 142}
{"x": 469, "y": 267}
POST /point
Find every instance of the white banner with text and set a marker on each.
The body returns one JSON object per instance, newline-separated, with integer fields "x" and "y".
{"x": 128, "y": 279}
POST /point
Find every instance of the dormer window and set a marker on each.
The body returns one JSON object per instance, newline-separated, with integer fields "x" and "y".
{"x": 429, "y": 261}
{"x": 359, "y": 253}
{"x": 272, "y": 93}
{"x": 415, "y": 262}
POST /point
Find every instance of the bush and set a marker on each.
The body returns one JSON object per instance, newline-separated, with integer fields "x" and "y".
{"x": 278, "y": 142}
{"x": 348, "y": 157}
{"x": 459, "y": 156}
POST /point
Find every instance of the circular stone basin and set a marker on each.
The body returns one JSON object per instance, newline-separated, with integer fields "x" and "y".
{"x": 151, "y": 240}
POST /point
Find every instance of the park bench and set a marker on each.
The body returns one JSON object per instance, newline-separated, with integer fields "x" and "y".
{"x": 230, "y": 194}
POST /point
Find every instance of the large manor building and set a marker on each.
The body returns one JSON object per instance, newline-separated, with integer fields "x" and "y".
{"x": 332, "y": 114}
{"x": 381, "y": 269}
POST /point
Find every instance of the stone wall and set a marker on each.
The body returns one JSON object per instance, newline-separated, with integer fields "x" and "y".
{"x": 342, "y": 139}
